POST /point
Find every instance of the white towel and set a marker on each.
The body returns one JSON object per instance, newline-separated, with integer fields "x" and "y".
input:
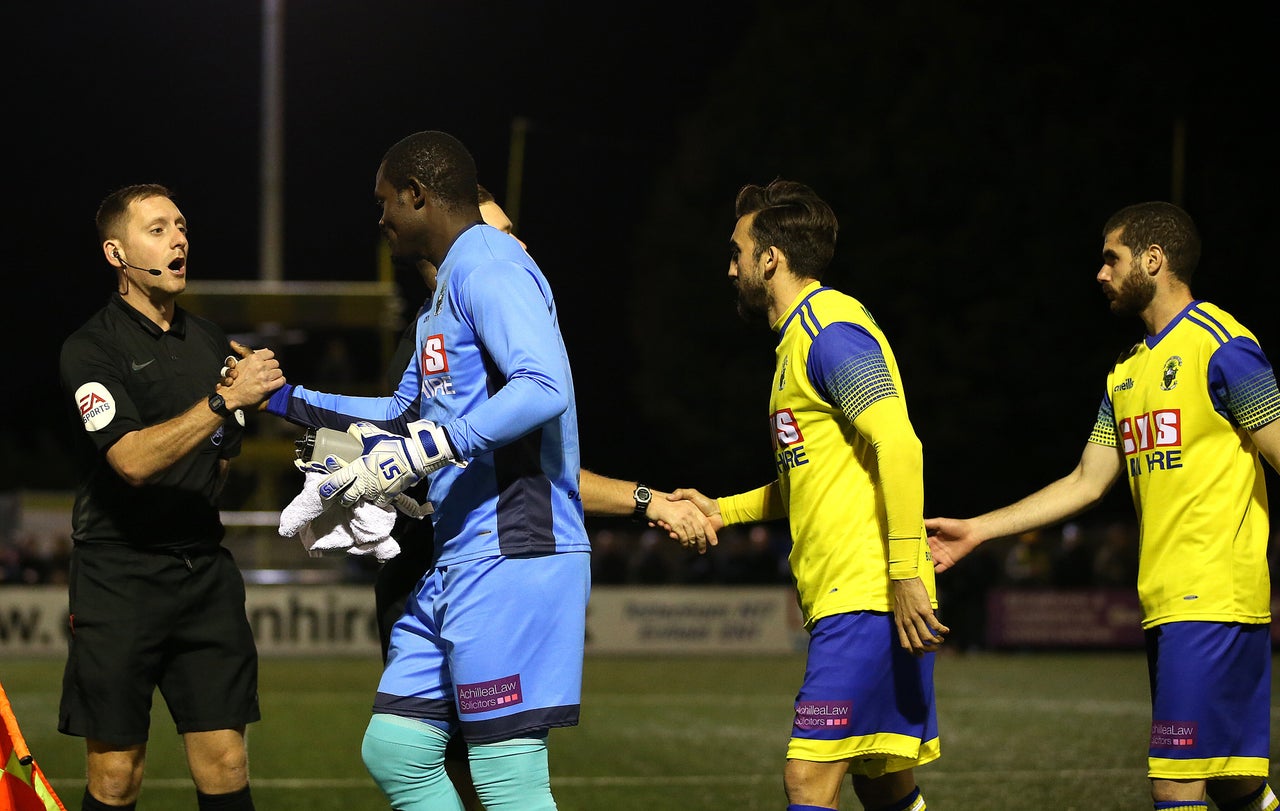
{"x": 364, "y": 529}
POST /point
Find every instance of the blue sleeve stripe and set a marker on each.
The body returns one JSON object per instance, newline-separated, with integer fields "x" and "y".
{"x": 860, "y": 382}
{"x": 1254, "y": 400}
{"x": 1104, "y": 426}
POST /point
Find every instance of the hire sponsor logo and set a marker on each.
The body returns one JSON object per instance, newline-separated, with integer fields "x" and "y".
{"x": 788, "y": 441}
{"x": 97, "y": 406}
{"x": 434, "y": 362}
{"x": 1152, "y": 441}
{"x": 483, "y": 696}
{"x": 816, "y": 714}
{"x": 1174, "y": 734}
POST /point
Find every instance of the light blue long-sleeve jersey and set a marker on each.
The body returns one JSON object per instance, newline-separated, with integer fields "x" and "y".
{"x": 490, "y": 368}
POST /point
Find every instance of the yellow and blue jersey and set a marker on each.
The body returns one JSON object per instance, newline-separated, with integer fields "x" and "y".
{"x": 1179, "y": 407}
{"x": 850, "y": 467}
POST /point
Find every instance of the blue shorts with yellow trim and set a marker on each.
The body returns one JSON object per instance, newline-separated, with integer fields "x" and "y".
{"x": 864, "y": 698}
{"x": 1210, "y": 700}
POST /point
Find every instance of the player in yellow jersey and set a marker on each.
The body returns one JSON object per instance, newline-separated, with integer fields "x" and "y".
{"x": 1185, "y": 415}
{"x": 850, "y": 484}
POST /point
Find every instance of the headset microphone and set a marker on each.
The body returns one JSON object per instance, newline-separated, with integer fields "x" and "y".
{"x": 152, "y": 271}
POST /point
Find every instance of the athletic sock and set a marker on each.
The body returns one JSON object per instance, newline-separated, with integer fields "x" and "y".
{"x": 914, "y": 801}
{"x": 240, "y": 800}
{"x": 92, "y": 803}
{"x": 794, "y": 807}
{"x": 512, "y": 775}
{"x": 1264, "y": 799}
{"x": 1182, "y": 805}
{"x": 405, "y": 757}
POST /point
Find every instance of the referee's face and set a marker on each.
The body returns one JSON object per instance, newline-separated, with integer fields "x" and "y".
{"x": 155, "y": 236}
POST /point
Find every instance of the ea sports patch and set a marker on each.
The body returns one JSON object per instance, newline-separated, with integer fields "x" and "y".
{"x": 97, "y": 406}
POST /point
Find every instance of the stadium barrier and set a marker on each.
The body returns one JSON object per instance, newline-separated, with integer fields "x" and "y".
{"x": 338, "y": 619}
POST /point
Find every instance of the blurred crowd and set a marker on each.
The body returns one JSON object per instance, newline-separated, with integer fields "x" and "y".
{"x": 623, "y": 553}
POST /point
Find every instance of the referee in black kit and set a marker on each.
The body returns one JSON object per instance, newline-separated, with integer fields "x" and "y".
{"x": 155, "y": 599}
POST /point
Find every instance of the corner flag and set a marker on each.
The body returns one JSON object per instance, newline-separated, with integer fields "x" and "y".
{"x": 23, "y": 786}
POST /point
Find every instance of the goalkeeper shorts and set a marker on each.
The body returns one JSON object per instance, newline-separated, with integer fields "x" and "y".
{"x": 494, "y": 644}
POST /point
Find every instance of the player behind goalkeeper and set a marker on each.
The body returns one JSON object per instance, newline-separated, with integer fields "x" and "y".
{"x": 850, "y": 484}
{"x": 492, "y": 640}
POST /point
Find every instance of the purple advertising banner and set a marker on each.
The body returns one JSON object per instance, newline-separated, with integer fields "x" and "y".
{"x": 1055, "y": 618}
{"x": 1068, "y": 618}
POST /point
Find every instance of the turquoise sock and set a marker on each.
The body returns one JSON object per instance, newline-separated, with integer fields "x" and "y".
{"x": 405, "y": 757}
{"x": 512, "y": 775}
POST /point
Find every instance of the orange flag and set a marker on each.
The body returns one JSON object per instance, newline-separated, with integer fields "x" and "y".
{"x": 23, "y": 786}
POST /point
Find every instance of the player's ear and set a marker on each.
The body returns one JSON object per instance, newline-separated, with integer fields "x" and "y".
{"x": 1153, "y": 260}
{"x": 418, "y": 194}
{"x": 111, "y": 250}
{"x": 770, "y": 259}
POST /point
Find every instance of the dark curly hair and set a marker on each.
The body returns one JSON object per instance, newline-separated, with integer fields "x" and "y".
{"x": 794, "y": 219}
{"x": 439, "y": 162}
{"x": 1163, "y": 224}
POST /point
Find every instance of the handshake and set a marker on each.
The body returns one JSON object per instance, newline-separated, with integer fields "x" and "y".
{"x": 374, "y": 465}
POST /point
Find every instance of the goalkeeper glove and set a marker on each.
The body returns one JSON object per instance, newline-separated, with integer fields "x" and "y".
{"x": 390, "y": 463}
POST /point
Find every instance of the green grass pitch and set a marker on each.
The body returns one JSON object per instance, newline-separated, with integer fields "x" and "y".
{"x": 1029, "y": 730}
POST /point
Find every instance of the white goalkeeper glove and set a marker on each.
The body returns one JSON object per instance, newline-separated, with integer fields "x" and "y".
{"x": 390, "y": 464}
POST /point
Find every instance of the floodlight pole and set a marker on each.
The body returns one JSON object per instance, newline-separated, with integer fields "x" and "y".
{"x": 515, "y": 170}
{"x": 271, "y": 224}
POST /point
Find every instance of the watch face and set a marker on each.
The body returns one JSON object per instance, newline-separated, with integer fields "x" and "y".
{"x": 643, "y": 495}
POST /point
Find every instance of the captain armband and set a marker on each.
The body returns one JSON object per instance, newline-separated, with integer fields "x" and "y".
{"x": 904, "y": 557}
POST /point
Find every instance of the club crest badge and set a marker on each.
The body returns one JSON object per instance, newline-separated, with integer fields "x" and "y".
{"x": 1169, "y": 376}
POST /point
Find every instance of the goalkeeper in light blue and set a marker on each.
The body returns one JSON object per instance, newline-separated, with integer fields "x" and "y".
{"x": 492, "y": 639}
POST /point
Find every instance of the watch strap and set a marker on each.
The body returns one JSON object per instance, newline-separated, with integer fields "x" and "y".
{"x": 642, "y": 496}
{"x": 218, "y": 405}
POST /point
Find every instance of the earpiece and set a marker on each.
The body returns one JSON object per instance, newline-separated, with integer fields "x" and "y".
{"x": 116, "y": 253}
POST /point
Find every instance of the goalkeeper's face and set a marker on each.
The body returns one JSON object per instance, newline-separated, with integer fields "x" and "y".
{"x": 400, "y": 221}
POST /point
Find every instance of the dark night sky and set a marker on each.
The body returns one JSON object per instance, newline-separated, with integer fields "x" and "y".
{"x": 971, "y": 158}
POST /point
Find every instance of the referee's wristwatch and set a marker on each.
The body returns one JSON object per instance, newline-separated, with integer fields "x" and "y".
{"x": 218, "y": 406}
{"x": 643, "y": 495}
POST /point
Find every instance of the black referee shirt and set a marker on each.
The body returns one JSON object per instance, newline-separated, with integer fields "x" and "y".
{"x": 123, "y": 373}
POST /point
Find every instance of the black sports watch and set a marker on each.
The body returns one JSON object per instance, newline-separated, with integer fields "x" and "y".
{"x": 643, "y": 495}
{"x": 219, "y": 406}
